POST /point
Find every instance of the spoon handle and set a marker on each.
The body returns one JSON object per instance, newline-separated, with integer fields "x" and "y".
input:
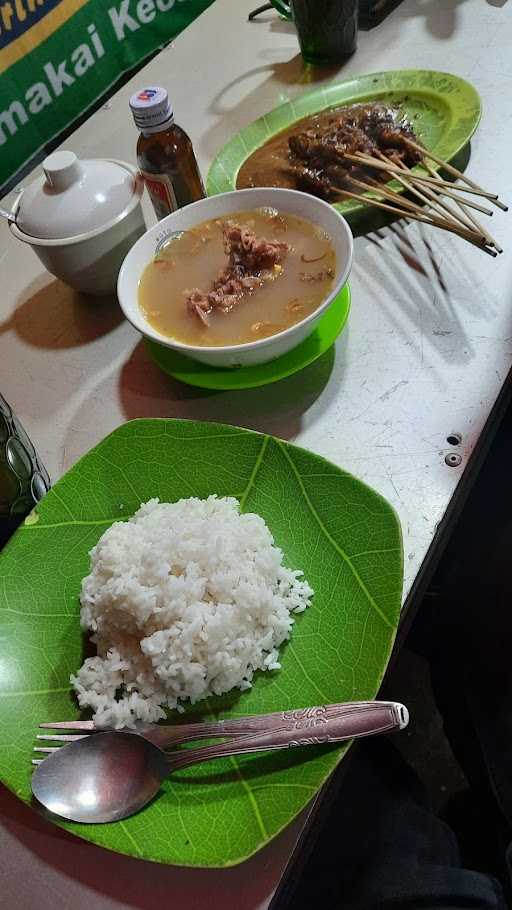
{"x": 9, "y": 216}
{"x": 168, "y": 736}
{"x": 305, "y": 727}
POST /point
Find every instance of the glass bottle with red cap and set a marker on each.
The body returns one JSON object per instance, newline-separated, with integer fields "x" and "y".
{"x": 164, "y": 153}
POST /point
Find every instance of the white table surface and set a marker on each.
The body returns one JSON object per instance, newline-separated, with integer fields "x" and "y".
{"x": 425, "y": 354}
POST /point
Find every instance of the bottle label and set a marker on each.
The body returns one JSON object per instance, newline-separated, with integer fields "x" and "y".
{"x": 161, "y": 192}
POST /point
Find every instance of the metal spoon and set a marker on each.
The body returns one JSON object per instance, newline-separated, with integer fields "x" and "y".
{"x": 109, "y": 776}
{"x": 167, "y": 240}
{"x": 9, "y": 216}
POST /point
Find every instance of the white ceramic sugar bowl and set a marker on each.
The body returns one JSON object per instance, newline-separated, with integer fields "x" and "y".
{"x": 81, "y": 216}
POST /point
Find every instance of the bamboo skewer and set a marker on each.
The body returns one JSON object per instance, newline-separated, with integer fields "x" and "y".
{"x": 381, "y": 205}
{"x": 361, "y": 158}
{"x": 440, "y": 186}
{"x": 419, "y": 214}
{"x": 427, "y": 217}
{"x": 470, "y": 236}
{"x": 430, "y": 191}
{"x": 433, "y": 191}
{"x": 451, "y": 187}
{"x": 375, "y": 187}
{"x": 452, "y": 170}
{"x": 404, "y": 213}
{"x": 471, "y": 217}
{"x": 430, "y": 198}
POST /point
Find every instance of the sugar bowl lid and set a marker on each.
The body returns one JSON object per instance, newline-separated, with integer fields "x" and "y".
{"x": 75, "y": 196}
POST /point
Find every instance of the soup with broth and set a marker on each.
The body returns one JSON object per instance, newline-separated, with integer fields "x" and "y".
{"x": 237, "y": 279}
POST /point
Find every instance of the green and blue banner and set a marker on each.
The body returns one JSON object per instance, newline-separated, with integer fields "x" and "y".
{"x": 58, "y": 57}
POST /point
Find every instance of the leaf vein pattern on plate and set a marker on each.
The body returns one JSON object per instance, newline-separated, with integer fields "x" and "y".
{"x": 68, "y": 524}
{"x": 306, "y": 674}
{"x": 122, "y": 473}
{"x": 63, "y": 504}
{"x": 33, "y": 692}
{"x": 254, "y": 472}
{"x": 331, "y": 540}
{"x": 187, "y": 437}
{"x": 251, "y": 797}
{"x": 131, "y": 838}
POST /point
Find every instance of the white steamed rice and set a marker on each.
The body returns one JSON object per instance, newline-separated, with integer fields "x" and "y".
{"x": 185, "y": 600}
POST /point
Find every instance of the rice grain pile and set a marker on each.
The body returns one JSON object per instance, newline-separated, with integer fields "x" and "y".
{"x": 184, "y": 600}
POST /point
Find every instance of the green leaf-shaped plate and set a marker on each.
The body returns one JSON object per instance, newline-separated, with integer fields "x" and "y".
{"x": 341, "y": 533}
{"x": 444, "y": 109}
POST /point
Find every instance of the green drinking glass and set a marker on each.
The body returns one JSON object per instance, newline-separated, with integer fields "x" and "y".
{"x": 23, "y": 478}
{"x": 327, "y": 29}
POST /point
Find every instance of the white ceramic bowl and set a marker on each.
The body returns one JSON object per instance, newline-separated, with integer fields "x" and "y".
{"x": 254, "y": 352}
{"x": 90, "y": 262}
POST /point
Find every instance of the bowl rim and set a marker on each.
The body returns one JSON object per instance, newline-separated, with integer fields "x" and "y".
{"x": 191, "y": 349}
{"x": 138, "y": 189}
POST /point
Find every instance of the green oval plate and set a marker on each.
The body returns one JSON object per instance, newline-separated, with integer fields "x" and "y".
{"x": 445, "y": 111}
{"x": 199, "y": 374}
{"x": 343, "y": 535}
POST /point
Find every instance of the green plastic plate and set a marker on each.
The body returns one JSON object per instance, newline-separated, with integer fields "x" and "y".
{"x": 199, "y": 374}
{"x": 445, "y": 111}
{"x": 341, "y": 533}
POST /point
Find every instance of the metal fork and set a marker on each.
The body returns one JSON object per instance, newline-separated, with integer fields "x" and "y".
{"x": 360, "y": 719}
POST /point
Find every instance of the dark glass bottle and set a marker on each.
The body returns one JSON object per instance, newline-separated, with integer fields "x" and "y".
{"x": 164, "y": 153}
{"x": 23, "y": 478}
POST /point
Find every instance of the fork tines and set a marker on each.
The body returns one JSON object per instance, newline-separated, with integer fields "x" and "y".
{"x": 62, "y": 737}
{"x": 82, "y": 728}
{"x": 70, "y": 725}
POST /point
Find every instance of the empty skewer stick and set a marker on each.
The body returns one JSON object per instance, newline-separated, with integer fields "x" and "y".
{"x": 453, "y": 170}
{"x": 368, "y": 200}
{"x": 440, "y": 186}
{"x": 451, "y": 187}
{"x": 446, "y": 189}
{"x": 467, "y": 227}
{"x": 405, "y": 213}
{"x": 433, "y": 199}
{"x": 428, "y": 216}
{"x": 469, "y": 215}
{"x": 381, "y": 190}
{"x": 400, "y": 201}
{"x": 361, "y": 158}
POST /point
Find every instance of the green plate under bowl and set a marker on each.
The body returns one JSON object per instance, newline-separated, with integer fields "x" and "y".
{"x": 199, "y": 374}
{"x": 343, "y": 535}
{"x": 444, "y": 109}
